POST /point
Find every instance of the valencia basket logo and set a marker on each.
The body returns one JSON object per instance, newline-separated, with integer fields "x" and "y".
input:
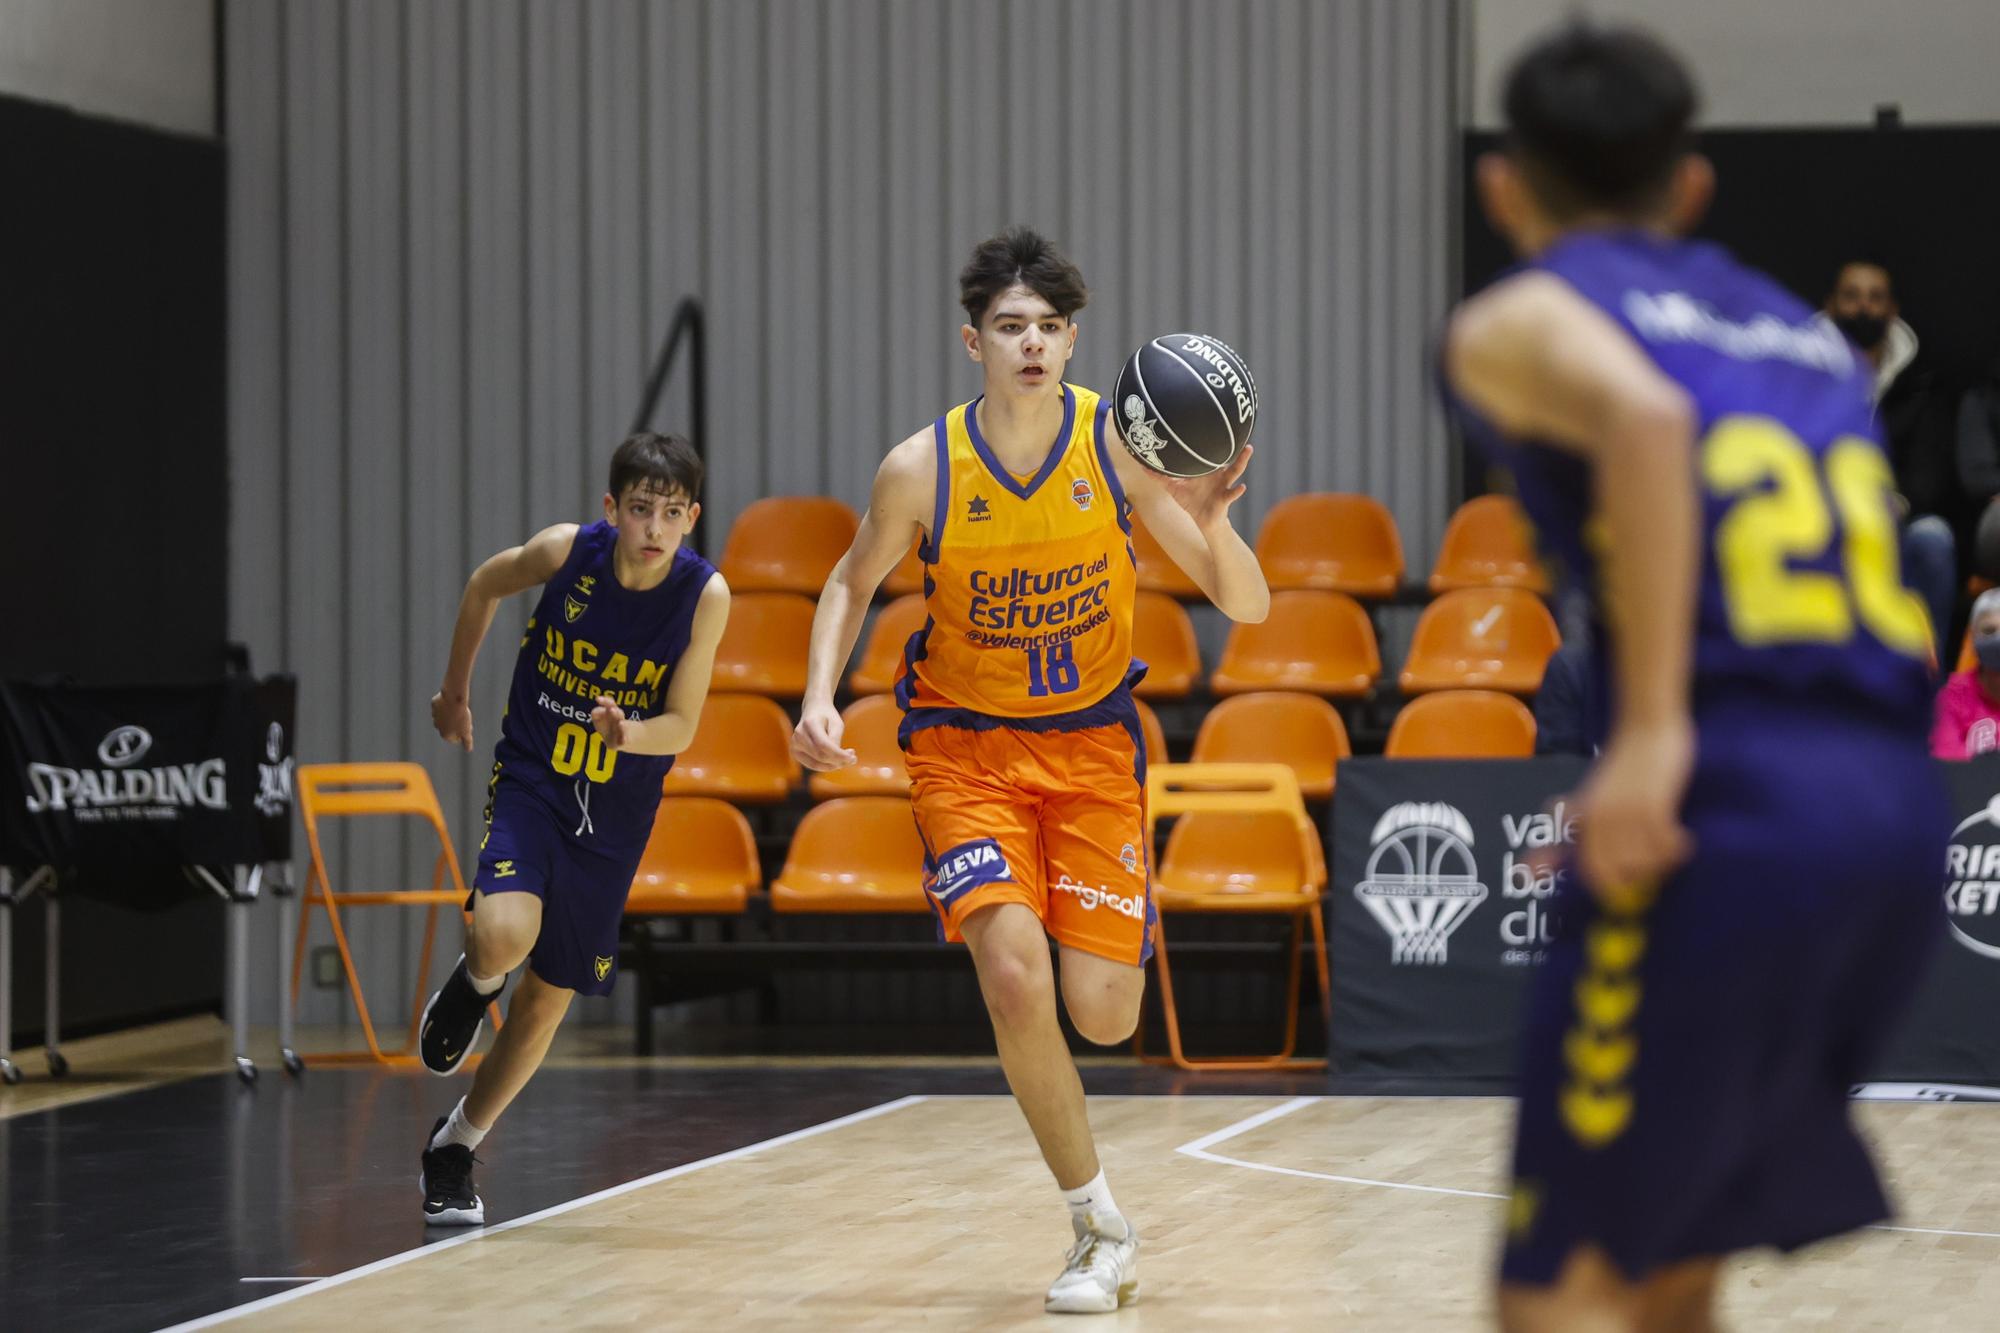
{"x": 1421, "y": 881}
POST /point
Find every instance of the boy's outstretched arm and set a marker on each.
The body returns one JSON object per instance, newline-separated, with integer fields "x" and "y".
{"x": 1189, "y": 516}
{"x": 672, "y": 730}
{"x": 516, "y": 569}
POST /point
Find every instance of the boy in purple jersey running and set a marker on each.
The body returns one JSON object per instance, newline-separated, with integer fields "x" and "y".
{"x": 608, "y": 687}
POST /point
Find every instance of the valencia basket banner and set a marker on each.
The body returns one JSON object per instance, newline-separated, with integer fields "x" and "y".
{"x": 120, "y": 787}
{"x": 1439, "y": 908}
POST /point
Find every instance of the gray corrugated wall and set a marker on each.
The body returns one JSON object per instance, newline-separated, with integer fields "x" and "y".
{"x": 458, "y": 228}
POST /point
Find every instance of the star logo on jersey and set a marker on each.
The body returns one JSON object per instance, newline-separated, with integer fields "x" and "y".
{"x": 1080, "y": 492}
{"x": 977, "y": 510}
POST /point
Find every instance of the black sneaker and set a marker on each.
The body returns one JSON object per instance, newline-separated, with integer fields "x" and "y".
{"x": 452, "y": 1019}
{"x": 449, "y": 1199}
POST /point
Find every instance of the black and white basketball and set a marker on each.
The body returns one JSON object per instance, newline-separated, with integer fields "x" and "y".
{"x": 1185, "y": 404}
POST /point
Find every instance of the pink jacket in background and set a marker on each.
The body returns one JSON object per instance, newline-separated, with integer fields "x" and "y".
{"x": 1968, "y": 719}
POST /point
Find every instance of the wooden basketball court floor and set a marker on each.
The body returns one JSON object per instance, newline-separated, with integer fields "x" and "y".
{"x": 1257, "y": 1212}
{"x": 862, "y": 1195}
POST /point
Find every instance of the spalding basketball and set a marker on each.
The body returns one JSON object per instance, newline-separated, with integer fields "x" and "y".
{"x": 1185, "y": 404}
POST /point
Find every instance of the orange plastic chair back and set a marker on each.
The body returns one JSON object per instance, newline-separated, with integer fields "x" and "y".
{"x": 869, "y": 730}
{"x": 1154, "y": 733}
{"x": 763, "y": 648}
{"x": 907, "y": 577}
{"x": 1316, "y": 642}
{"x": 1489, "y": 543}
{"x": 1163, "y": 638}
{"x": 881, "y": 664}
{"x": 1462, "y": 724}
{"x": 1224, "y": 809}
{"x": 1301, "y": 731}
{"x": 742, "y": 751}
{"x": 1157, "y": 570}
{"x": 1332, "y": 541}
{"x": 1481, "y": 638}
{"x": 787, "y": 543}
{"x": 854, "y": 854}
{"x": 701, "y": 858}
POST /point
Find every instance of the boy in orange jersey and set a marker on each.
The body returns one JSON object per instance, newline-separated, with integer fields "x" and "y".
{"x": 1026, "y": 761}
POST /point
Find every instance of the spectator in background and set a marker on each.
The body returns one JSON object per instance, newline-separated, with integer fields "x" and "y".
{"x": 1968, "y": 707}
{"x": 1979, "y": 468}
{"x": 1567, "y": 712}
{"x": 1916, "y": 427}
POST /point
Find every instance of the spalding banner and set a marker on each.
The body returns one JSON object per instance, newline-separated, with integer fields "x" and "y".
{"x": 1440, "y": 908}
{"x": 119, "y": 787}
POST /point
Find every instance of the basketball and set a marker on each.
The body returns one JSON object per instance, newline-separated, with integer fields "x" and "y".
{"x": 1185, "y": 403}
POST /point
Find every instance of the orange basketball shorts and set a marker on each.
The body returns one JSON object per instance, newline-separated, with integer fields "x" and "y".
{"x": 1052, "y": 820}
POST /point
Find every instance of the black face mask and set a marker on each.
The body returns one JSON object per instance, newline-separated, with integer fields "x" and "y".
{"x": 1864, "y": 331}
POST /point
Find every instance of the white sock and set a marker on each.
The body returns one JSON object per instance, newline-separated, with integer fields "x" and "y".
{"x": 457, "y": 1129}
{"x": 1091, "y": 1208}
{"x": 485, "y": 985}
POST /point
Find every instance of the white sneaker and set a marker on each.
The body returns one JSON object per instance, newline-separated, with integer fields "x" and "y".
{"x": 1099, "y": 1275}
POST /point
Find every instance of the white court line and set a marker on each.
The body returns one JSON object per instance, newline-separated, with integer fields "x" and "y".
{"x": 281, "y": 1279}
{"x": 1199, "y": 1149}
{"x": 480, "y": 1233}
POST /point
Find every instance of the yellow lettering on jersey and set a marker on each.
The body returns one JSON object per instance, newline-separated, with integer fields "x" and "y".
{"x": 584, "y": 653}
{"x": 649, "y": 673}
{"x": 615, "y": 668}
{"x": 554, "y": 643}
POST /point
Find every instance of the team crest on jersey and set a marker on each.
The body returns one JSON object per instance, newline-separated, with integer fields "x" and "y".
{"x": 603, "y": 967}
{"x": 577, "y": 600}
{"x": 1079, "y": 491}
{"x": 1128, "y": 856}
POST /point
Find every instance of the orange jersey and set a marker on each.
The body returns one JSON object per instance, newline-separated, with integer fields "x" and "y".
{"x": 1029, "y": 584}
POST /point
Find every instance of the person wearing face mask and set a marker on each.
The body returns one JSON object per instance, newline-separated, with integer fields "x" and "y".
{"x": 1862, "y": 305}
{"x": 1968, "y": 707}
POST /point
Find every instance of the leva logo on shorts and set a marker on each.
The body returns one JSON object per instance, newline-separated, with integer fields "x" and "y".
{"x": 966, "y": 867}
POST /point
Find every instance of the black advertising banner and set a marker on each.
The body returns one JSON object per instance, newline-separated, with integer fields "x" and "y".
{"x": 119, "y": 787}
{"x": 1437, "y": 913}
{"x": 1952, "y": 1033}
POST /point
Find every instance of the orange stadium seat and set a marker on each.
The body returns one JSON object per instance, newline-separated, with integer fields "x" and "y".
{"x": 1277, "y": 727}
{"x": 700, "y": 859}
{"x": 907, "y": 577}
{"x": 1157, "y": 570}
{"x": 854, "y": 854}
{"x": 763, "y": 648}
{"x": 742, "y": 751}
{"x": 337, "y": 791}
{"x": 1462, "y": 724}
{"x": 1163, "y": 638}
{"x": 1481, "y": 638}
{"x": 1316, "y": 642}
{"x": 1155, "y": 734}
{"x": 881, "y": 664}
{"x": 1242, "y": 844}
{"x": 1489, "y": 543}
{"x": 1332, "y": 541}
{"x": 787, "y": 543}
{"x": 869, "y": 730}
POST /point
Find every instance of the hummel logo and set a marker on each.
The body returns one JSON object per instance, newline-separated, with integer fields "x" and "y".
{"x": 503, "y": 869}
{"x": 977, "y": 510}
